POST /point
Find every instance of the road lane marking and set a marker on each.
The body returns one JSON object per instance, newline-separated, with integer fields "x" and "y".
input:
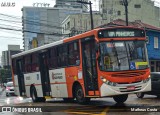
{"x": 79, "y": 108}
{"x": 104, "y": 112}
{"x": 87, "y": 112}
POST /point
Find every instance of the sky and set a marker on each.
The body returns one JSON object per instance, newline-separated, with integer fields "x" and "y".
{"x": 15, "y": 37}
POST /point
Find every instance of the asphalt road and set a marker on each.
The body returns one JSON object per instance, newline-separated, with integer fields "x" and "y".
{"x": 99, "y": 106}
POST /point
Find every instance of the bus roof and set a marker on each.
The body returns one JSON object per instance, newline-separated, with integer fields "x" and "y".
{"x": 55, "y": 43}
{"x": 38, "y": 48}
{"x": 76, "y": 37}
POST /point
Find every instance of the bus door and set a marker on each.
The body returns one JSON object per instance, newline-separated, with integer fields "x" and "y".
{"x": 20, "y": 76}
{"x": 89, "y": 65}
{"x": 44, "y": 71}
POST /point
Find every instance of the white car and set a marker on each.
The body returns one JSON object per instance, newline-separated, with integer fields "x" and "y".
{"x": 9, "y": 89}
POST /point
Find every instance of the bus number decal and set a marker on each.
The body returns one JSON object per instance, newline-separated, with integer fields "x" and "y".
{"x": 28, "y": 78}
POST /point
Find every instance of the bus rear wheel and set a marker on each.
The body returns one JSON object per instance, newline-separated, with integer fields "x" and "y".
{"x": 120, "y": 98}
{"x": 79, "y": 95}
{"x": 34, "y": 94}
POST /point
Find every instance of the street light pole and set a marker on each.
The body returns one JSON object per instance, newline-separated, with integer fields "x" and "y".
{"x": 126, "y": 10}
{"x": 90, "y": 5}
{"x": 91, "y": 16}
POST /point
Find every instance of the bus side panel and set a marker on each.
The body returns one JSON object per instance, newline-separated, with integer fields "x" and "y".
{"x": 58, "y": 83}
{"x": 72, "y": 76}
{"x": 16, "y": 86}
{"x": 33, "y": 78}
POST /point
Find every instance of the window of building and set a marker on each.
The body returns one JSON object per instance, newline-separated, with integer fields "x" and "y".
{"x": 118, "y": 13}
{"x": 155, "y": 42}
{"x": 137, "y": 6}
{"x": 121, "y": 2}
{"x": 68, "y": 25}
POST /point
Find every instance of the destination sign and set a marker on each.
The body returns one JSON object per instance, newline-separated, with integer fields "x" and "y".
{"x": 122, "y": 32}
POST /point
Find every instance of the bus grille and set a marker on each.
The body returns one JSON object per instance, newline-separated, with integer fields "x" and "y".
{"x": 129, "y": 74}
{"x": 126, "y": 90}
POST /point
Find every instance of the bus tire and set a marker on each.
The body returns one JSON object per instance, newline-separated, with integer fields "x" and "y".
{"x": 140, "y": 95}
{"x": 120, "y": 98}
{"x": 34, "y": 94}
{"x": 79, "y": 95}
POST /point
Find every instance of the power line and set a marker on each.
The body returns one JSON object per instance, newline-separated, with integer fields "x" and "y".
{"x": 10, "y": 26}
{"x": 19, "y": 30}
{"x": 27, "y": 18}
{"x": 31, "y": 23}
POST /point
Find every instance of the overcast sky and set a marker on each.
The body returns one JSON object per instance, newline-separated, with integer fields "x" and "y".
{"x": 16, "y": 11}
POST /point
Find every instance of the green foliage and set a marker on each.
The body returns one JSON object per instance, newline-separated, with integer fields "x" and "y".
{"x": 4, "y": 74}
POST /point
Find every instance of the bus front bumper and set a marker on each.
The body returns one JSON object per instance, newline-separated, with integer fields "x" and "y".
{"x": 119, "y": 89}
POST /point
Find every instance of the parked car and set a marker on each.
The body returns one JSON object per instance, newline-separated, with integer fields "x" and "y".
{"x": 9, "y": 89}
{"x": 155, "y": 86}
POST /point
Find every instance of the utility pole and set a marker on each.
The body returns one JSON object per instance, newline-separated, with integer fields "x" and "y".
{"x": 126, "y": 10}
{"x": 91, "y": 16}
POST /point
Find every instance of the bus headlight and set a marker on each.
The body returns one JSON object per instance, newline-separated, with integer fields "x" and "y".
{"x": 108, "y": 82}
{"x": 111, "y": 83}
{"x": 146, "y": 80}
{"x": 103, "y": 79}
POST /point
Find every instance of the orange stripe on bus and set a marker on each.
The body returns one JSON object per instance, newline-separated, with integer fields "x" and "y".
{"x": 59, "y": 83}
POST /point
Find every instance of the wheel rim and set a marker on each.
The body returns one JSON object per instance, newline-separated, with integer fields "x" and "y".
{"x": 79, "y": 94}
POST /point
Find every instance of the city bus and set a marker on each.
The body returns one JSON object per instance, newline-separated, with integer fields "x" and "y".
{"x": 103, "y": 62}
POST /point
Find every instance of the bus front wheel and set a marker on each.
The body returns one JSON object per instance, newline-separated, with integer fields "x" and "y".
{"x": 140, "y": 95}
{"x": 120, "y": 98}
{"x": 79, "y": 95}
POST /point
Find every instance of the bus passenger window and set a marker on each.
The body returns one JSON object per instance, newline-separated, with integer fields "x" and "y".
{"x": 35, "y": 66}
{"x": 73, "y": 55}
{"x": 28, "y": 64}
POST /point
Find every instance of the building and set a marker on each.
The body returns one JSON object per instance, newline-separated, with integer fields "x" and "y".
{"x": 6, "y": 55}
{"x": 80, "y": 22}
{"x": 153, "y": 42}
{"x": 43, "y": 22}
{"x": 4, "y": 58}
{"x": 71, "y": 4}
{"x": 143, "y": 10}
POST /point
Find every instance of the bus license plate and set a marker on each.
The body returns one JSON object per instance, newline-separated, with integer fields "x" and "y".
{"x": 131, "y": 88}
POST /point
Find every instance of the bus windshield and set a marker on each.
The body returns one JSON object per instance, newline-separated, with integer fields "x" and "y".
{"x": 123, "y": 55}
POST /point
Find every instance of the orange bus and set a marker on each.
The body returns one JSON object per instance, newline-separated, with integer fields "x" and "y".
{"x": 104, "y": 62}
